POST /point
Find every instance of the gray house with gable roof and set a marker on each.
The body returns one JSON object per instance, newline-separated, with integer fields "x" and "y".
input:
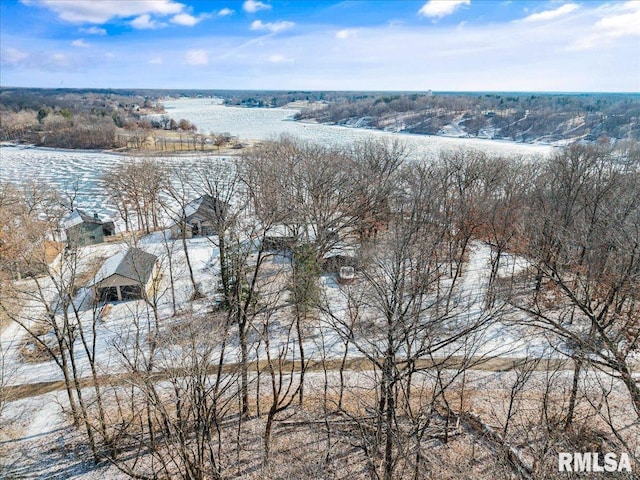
{"x": 201, "y": 217}
{"x": 83, "y": 229}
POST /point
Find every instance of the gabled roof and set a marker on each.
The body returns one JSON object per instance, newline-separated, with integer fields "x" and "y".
{"x": 342, "y": 250}
{"x": 134, "y": 264}
{"x": 77, "y": 217}
{"x": 207, "y": 206}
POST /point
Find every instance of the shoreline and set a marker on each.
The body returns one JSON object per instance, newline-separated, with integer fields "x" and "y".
{"x": 250, "y": 143}
{"x": 227, "y": 152}
{"x": 428, "y": 135}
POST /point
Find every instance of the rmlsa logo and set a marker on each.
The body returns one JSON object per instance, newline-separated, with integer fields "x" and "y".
{"x": 593, "y": 462}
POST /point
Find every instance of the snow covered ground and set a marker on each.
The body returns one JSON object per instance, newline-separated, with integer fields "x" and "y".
{"x": 45, "y": 447}
{"x": 120, "y": 322}
{"x": 497, "y": 338}
{"x": 40, "y": 443}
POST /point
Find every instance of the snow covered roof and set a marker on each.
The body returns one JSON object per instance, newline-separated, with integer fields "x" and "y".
{"x": 77, "y": 217}
{"x": 134, "y": 264}
{"x": 193, "y": 206}
{"x": 207, "y": 206}
{"x": 342, "y": 250}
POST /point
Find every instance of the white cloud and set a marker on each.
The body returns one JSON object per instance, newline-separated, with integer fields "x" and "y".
{"x": 80, "y": 43}
{"x": 622, "y": 23}
{"x": 616, "y": 21}
{"x": 186, "y": 20}
{"x": 92, "y": 11}
{"x": 60, "y": 59}
{"x": 552, "y": 14}
{"x": 225, "y": 12}
{"x": 13, "y": 55}
{"x": 144, "y": 22}
{"x": 500, "y": 56}
{"x": 94, "y": 31}
{"x": 346, "y": 34}
{"x": 156, "y": 61}
{"x": 278, "y": 58}
{"x": 253, "y": 6}
{"x": 441, "y": 8}
{"x": 197, "y": 57}
{"x": 274, "y": 27}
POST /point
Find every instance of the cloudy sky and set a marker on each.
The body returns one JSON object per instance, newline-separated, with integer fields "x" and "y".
{"x": 443, "y": 45}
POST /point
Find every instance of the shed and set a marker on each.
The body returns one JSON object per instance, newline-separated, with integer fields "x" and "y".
{"x": 83, "y": 229}
{"x": 128, "y": 275}
{"x": 201, "y": 217}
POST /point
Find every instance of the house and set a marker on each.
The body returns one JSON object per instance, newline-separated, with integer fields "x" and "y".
{"x": 279, "y": 238}
{"x": 201, "y": 217}
{"x": 83, "y": 229}
{"x": 128, "y": 275}
{"x": 283, "y": 238}
{"x": 341, "y": 255}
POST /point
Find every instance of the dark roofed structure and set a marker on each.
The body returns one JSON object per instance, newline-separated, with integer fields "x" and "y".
{"x": 201, "y": 217}
{"x": 83, "y": 229}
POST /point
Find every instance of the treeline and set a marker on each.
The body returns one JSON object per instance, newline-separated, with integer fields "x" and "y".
{"x": 267, "y": 99}
{"x": 518, "y": 117}
{"x": 299, "y": 377}
{"x": 69, "y": 119}
{"x": 85, "y": 119}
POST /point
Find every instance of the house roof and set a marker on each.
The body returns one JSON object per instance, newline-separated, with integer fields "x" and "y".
{"x": 342, "y": 250}
{"x": 134, "y": 264}
{"x": 77, "y": 217}
{"x": 207, "y": 206}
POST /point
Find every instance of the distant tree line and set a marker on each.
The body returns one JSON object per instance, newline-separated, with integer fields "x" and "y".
{"x": 88, "y": 120}
{"x": 524, "y": 118}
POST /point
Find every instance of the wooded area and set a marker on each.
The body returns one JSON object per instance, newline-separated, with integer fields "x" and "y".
{"x": 106, "y": 119}
{"x": 261, "y": 379}
{"x": 516, "y": 117}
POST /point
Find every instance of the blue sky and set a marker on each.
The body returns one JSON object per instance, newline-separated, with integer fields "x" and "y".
{"x": 443, "y": 45}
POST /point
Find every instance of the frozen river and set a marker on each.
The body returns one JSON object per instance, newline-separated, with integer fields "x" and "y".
{"x": 270, "y": 123}
{"x": 62, "y": 169}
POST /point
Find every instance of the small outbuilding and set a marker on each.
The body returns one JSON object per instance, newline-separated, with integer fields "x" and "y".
{"x": 83, "y": 229}
{"x": 201, "y": 217}
{"x": 342, "y": 261}
{"x": 128, "y": 275}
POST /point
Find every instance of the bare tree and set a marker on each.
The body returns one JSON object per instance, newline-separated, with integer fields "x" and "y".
{"x": 405, "y": 315}
{"x": 585, "y": 246}
{"x": 176, "y": 187}
{"x": 135, "y": 189}
{"x": 178, "y": 424}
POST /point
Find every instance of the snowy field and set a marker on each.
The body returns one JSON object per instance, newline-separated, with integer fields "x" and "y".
{"x": 46, "y": 447}
{"x": 117, "y": 326}
{"x": 43, "y": 445}
{"x": 116, "y": 329}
